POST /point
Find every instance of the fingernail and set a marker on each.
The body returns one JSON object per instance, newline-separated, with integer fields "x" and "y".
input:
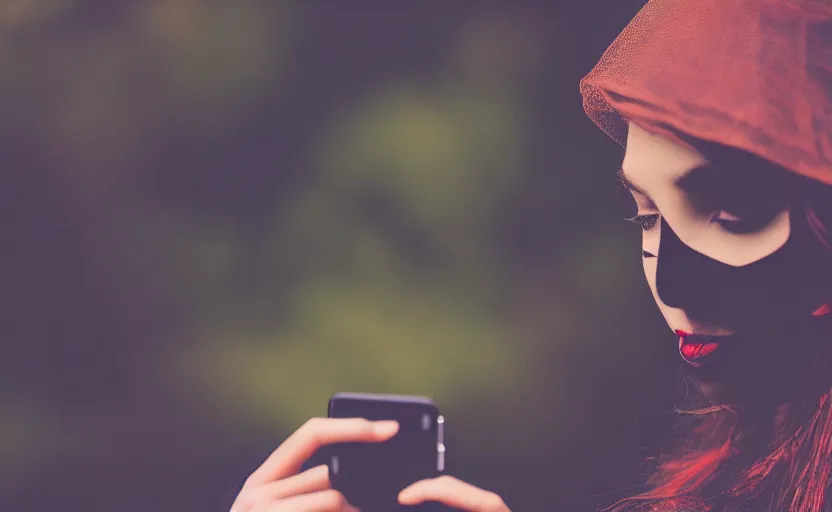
{"x": 386, "y": 428}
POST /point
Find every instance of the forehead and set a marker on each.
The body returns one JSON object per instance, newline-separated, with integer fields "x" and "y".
{"x": 654, "y": 161}
{"x": 650, "y": 158}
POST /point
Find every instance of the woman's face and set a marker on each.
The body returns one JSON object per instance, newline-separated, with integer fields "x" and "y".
{"x": 720, "y": 250}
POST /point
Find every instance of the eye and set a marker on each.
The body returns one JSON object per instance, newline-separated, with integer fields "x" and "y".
{"x": 646, "y": 221}
{"x": 739, "y": 224}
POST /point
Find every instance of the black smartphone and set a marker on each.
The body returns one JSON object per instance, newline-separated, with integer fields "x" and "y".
{"x": 371, "y": 475}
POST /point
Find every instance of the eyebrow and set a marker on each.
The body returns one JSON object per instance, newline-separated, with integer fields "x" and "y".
{"x": 627, "y": 184}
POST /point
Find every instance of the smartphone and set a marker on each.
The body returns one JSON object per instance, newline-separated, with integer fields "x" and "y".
{"x": 371, "y": 475}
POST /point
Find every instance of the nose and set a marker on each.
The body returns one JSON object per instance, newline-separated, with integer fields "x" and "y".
{"x": 685, "y": 279}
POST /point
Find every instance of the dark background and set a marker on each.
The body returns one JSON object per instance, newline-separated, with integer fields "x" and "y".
{"x": 218, "y": 213}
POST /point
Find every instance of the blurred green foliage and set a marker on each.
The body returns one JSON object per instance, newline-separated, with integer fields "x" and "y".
{"x": 371, "y": 245}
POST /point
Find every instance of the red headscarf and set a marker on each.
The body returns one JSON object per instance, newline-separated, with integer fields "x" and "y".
{"x": 752, "y": 74}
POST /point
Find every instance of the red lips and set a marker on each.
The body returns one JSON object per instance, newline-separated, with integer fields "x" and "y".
{"x": 693, "y": 348}
{"x": 693, "y": 351}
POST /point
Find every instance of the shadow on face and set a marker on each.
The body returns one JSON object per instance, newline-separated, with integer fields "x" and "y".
{"x": 727, "y": 246}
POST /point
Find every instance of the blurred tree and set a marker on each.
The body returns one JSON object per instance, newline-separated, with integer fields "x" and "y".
{"x": 230, "y": 210}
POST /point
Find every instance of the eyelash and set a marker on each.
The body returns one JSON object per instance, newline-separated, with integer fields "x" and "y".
{"x": 646, "y": 221}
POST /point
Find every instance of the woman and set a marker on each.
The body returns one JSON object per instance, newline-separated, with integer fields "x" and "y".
{"x": 725, "y": 108}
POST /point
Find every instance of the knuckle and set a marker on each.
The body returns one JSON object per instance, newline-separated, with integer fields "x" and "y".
{"x": 446, "y": 479}
{"x": 365, "y": 425}
{"x": 312, "y": 428}
{"x": 249, "y": 484}
{"x": 334, "y": 500}
{"x": 312, "y": 424}
{"x": 243, "y": 503}
{"x": 494, "y": 503}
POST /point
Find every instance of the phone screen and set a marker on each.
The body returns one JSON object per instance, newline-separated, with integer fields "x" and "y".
{"x": 371, "y": 475}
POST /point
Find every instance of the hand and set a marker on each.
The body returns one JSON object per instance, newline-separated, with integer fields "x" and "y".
{"x": 454, "y": 493}
{"x": 276, "y": 485}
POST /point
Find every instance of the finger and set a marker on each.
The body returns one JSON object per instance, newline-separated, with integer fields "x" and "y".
{"x": 315, "y": 433}
{"x": 312, "y": 480}
{"x": 454, "y": 493}
{"x": 322, "y": 501}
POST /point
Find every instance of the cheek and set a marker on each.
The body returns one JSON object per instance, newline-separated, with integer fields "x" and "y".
{"x": 732, "y": 249}
{"x": 650, "y": 239}
{"x": 649, "y": 265}
{"x": 650, "y": 244}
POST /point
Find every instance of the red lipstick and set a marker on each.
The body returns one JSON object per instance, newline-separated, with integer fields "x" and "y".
{"x": 694, "y": 348}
